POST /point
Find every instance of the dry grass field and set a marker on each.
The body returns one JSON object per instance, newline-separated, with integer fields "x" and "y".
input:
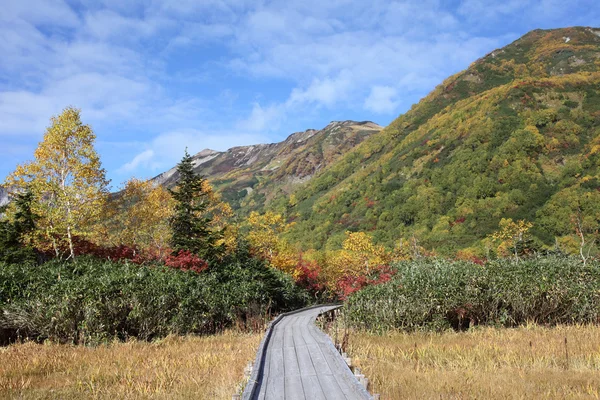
{"x": 209, "y": 367}
{"x": 485, "y": 363}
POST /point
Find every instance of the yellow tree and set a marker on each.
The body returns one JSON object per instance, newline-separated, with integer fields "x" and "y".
{"x": 265, "y": 240}
{"x": 356, "y": 258}
{"x": 511, "y": 234}
{"x": 363, "y": 251}
{"x": 221, "y": 215}
{"x": 138, "y": 217}
{"x": 67, "y": 181}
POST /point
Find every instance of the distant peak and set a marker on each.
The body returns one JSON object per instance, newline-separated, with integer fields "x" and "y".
{"x": 206, "y": 152}
{"x": 351, "y": 122}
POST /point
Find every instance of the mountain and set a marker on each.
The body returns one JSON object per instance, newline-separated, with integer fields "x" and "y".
{"x": 248, "y": 177}
{"x": 3, "y": 196}
{"x": 516, "y": 135}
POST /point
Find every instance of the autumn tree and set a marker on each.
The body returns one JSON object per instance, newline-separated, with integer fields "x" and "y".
{"x": 264, "y": 237}
{"x": 221, "y": 214}
{"x": 66, "y": 180}
{"x": 573, "y": 216}
{"x": 191, "y": 223}
{"x": 511, "y": 235}
{"x": 138, "y": 217}
{"x": 357, "y": 258}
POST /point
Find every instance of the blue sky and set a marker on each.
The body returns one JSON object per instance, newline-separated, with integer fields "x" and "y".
{"x": 152, "y": 77}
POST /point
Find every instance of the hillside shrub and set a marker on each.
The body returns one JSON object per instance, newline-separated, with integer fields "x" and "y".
{"x": 435, "y": 294}
{"x": 90, "y": 300}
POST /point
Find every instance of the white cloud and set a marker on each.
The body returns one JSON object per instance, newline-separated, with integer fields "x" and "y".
{"x": 325, "y": 91}
{"x": 141, "y": 159}
{"x": 105, "y": 24}
{"x": 157, "y": 67}
{"x": 165, "y": 150}
{"x": 51, "y": 12}
{"x": 101, "y": 97}
{"x": 483, "y": 9}
{"x": 262, "y": 118}
{"x": 381, "y": 100}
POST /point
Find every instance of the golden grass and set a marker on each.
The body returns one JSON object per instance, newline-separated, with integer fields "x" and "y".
{"x": 209, "y": 367}
{"x": 485, "y": 363}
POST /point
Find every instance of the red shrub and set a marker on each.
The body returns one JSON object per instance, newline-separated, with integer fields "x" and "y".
{"x": 350, "y": 284}
{"x": 85, "y": 247}
{"x": 307, "y": 276}
{"x": 186, "y": 261}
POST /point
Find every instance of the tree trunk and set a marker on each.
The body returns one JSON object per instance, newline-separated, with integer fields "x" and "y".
{"x": 72, "y": 252}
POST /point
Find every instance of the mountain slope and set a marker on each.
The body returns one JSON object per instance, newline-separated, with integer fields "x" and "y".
{"x": 515, "y": 135}
{"x": 250, "y": 176}
{"x": 3, "y": 196}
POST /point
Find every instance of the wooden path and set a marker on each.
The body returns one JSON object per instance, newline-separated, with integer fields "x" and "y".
{"x": 297, "y": 361}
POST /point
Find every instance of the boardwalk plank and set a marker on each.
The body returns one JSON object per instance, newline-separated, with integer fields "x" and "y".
{"x": 288, "y": 333}
{"x": 318, "y": 359}
{"x": 331, "y": 388}
{"x": 290, "y": 361}
{"x": 293, "y": 388}
{"x": 305, "y": 363}
{"x": 275, "y": 381}
{"x": 301, "y": 363}
{"x": 312, "y": 388}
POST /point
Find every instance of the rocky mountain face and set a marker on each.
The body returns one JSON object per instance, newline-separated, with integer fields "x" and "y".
{"x": 248, "y": 177}
{"x": 3, "y": 196}
{"x": 516, "y": 135}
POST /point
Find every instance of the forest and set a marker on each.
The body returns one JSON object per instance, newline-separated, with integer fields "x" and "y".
{"x": 82, "y": 265}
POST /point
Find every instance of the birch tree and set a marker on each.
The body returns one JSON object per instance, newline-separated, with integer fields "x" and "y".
{"x": 67, "y": 181}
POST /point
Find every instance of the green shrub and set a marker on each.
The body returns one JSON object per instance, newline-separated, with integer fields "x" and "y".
{"x": 434, "y": 294}
{"x": 89, "y": 300}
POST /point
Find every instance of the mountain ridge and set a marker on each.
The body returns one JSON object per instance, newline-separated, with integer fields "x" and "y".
{"x": 267, "y": 169}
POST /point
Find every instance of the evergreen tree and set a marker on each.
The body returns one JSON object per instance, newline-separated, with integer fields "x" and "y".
{"x": 191, "y": 224}
{"x": 15, "y": 235}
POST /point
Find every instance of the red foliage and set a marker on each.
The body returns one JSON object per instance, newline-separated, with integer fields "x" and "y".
{"x": 350, "y": 284}
{"x": 186, "y": 261}
{"x": 450, "y": 87}
{"x": 307, "y": 276}
{"x": 115, "y": 253}
{"x": 369, "y": 203}
{"x": 457, "y": 221}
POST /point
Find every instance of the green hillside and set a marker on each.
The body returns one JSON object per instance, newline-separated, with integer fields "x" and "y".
{"x": 516, "y": 135}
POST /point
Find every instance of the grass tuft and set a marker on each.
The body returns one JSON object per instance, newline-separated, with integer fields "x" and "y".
{"x": 483, "y": 363}
{"x": 174, "y": 367}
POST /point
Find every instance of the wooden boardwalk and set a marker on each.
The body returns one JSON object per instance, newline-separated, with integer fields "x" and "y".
{"x": 297, "y": 361}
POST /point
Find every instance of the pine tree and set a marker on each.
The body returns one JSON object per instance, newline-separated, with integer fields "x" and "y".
{"x": 190, "y": 224}
{"x": 15, "y": 235}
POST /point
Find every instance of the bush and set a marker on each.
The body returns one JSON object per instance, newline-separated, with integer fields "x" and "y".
{"x": 435, "y": 294}
{"x": 90, "y": 300}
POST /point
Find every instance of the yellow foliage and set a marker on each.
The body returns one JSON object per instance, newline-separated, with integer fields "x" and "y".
{"x": 67, "y": 181}
{"x": 408, "y": 250}
{"x": 357, "y": 256}
{"x": 138, "y": 218}
{"x": 265, "y": 241}
{"x": 510, "y": 235}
